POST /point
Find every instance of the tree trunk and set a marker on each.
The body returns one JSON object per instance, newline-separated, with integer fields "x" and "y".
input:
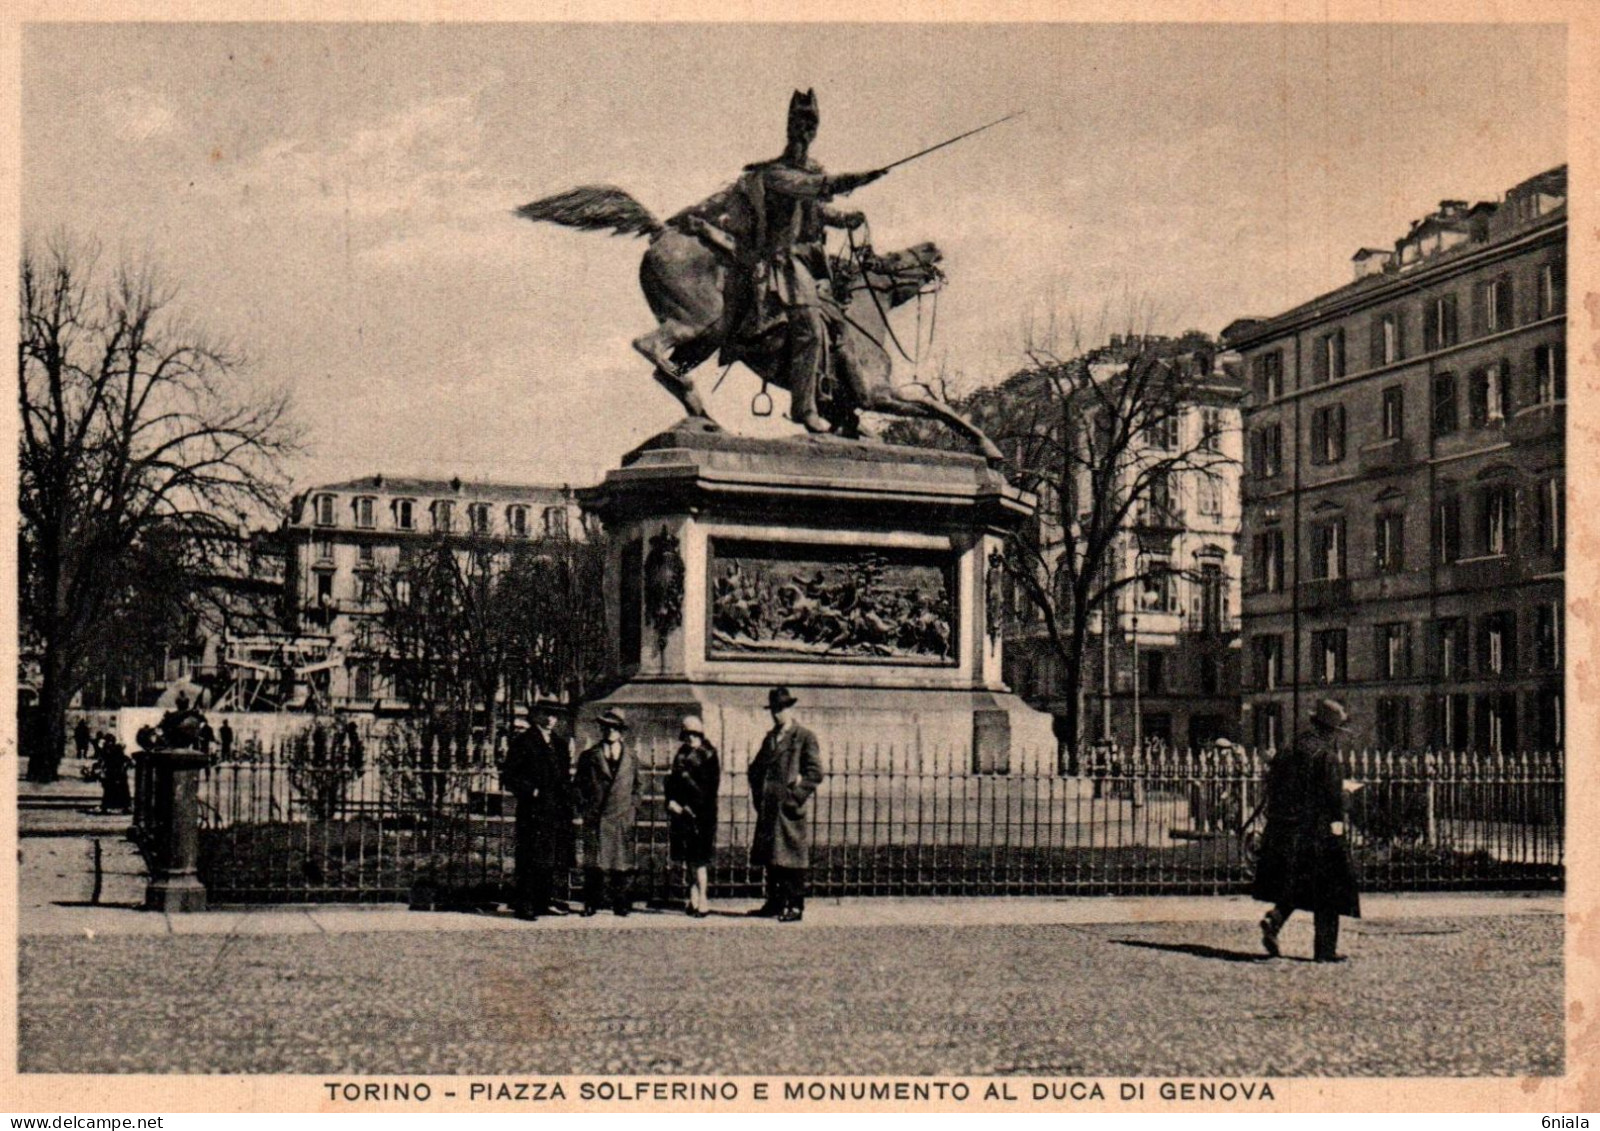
{"x": 1071, "y": 737}
{"x": 49, "y": 739}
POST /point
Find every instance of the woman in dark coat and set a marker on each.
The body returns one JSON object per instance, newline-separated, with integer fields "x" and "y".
{"x": 1303, "y": 864}
{"x": 692, "y": 802}
{"x": 115, "y": 796}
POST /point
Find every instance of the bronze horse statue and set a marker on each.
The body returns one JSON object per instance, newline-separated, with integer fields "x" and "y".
{"x": 691, "y": 279}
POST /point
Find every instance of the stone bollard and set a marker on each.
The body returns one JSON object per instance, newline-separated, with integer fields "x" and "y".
{"x": 175, "y": 836}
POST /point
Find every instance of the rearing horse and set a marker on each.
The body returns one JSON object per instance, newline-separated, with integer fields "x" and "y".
{"x": 687, "y": 274}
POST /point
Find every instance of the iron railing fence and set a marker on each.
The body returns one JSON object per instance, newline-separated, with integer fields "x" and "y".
{"x": 281, "y": 829}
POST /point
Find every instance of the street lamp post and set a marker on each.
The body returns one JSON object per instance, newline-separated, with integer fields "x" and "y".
{"x": 1107, "y": 615}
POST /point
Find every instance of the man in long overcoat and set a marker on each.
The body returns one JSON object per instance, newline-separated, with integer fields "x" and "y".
{"x": 785, "y": 773}
{"x": 1303, "y": 863}
{"x": 609, "y": 788}
{"x": 536, "y": 771}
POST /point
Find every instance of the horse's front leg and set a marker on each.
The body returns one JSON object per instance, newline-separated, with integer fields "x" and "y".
{"x": 914, "y": 401}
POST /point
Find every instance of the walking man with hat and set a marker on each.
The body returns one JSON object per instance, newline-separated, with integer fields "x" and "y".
{"x": 1304, "y": 864}
{"x": 785, "y": 773}
{"x": 609, "y": 788}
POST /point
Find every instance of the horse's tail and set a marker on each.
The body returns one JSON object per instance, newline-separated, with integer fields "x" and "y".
{"x": 594, "y": 208}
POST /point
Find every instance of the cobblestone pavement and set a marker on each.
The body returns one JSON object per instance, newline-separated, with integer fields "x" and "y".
{"x": 1421, "y": 996}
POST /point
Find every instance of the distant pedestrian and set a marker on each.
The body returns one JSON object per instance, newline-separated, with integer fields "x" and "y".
{"x": 114, "y": 794}
{"x": 691, "y": 792}
{"x": 537, "y": 772}
{"x": 355, "y": 750}
{"x": 1304, "y": 863}
{"x": 1214, "y": 804}
{"x": 225, "y": 740}
{"x": 608, "y": 788}
{"x": 80, "y": 739}
{"x": 785, "y": 773}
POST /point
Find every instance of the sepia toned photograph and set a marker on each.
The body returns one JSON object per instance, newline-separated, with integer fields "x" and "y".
{"x": 971, "y": 566}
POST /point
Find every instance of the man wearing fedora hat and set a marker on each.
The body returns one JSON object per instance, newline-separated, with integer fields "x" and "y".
{"x": 1304, "y": 864}
{"x": 609, "y": 789}
{"x": 785, "y": 773}
{"x": 536, "y": 772}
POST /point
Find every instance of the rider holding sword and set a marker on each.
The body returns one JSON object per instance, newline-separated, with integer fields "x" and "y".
{"x": 787, "y": 259}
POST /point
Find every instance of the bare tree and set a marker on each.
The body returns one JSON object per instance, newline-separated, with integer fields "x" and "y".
{"x": 552, "y": 599}
{"x": 134, "y": 421}
{"x": 441, "y": 643}
{"x": 1100, "y": 442}
{"x": 472, "y": 628}
{"x": 1096, "y": 435}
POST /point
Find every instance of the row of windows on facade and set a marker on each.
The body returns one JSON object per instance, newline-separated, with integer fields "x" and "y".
{"x": 1455, "y": 721}
{"x": 1450, "y": 650}
{"x": 1042, "y": 677}
{"x": 1161, "y": 428}
{"x": 403, "y": 516}
{"x": 1491, "y": 400}
{"x": 365, "y": 589}
{"x": 364, "y": 578}
{"x": 1468, "y": 524}
{"x": 1493, "y": 312}
{"x": 1157, "y": 506}
{"x": 1157, "y": 592}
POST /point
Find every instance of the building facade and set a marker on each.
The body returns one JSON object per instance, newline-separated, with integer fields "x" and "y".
{"x": 1404, "y": 486}
{"x": 1168, "y": 672}
{"x": 341, "y": 537}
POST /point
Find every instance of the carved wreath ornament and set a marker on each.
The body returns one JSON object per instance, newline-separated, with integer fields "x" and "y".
{"x": 994, "y": 594}
{"x": 663, "y": 586}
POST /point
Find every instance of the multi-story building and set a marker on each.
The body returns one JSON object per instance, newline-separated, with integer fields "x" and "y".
{"x": 1404, "y": 486}
{"x": 341, "y": 536}
{"x": 1169, "y": 670}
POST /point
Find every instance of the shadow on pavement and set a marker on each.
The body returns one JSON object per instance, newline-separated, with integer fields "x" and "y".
{"x": 1199, "y": 950}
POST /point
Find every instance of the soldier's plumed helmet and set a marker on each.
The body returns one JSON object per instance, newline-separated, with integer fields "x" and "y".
{"x": 803, "y": 109}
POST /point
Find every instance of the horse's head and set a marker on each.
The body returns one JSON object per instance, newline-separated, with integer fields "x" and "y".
{"x": 899, "y": 276}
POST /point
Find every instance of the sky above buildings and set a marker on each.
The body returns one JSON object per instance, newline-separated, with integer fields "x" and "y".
{"x": 338, "y": 198}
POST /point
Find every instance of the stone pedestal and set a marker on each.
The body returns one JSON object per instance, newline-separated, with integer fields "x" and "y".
{"x": 174, "y": 880}
{"x": 864, "y": 577}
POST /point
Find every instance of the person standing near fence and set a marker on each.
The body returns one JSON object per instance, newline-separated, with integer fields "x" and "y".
{"x": 354, "y": 748}
{"x": 691, "y": 791}
{"x": 783, "y": 776}
{"x": 114, "y": 794}
{"x": 225, "y": 740}
{"x": 1304, "y": 864}
{"x": 536, "y": 771}
{"x": 609, "y": 789}
{"x": 80, "y": 739}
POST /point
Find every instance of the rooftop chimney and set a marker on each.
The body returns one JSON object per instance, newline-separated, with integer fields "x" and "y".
{"x": 1371, "y": 261}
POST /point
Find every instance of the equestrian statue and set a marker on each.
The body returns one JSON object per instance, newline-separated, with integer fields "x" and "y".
{"x": 746, "y": 272}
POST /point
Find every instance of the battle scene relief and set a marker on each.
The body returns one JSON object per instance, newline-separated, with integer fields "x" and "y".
{"x": 813, "y": 603}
